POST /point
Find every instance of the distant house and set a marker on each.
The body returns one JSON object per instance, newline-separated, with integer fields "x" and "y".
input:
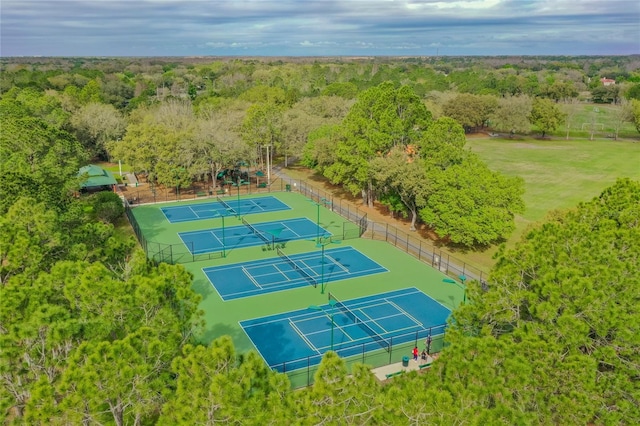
{"x": 607, "y": 81}
{"x": 97, "y": 179}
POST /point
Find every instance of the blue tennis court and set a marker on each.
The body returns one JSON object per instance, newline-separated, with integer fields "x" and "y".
{"x": 228, "y": 207}
{"x": 238, "y": 236}
{"x": 276, "y": 274}
{"x": 306, "y": 334}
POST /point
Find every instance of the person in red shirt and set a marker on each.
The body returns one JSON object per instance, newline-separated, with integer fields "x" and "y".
{"x": 415, "y": 353}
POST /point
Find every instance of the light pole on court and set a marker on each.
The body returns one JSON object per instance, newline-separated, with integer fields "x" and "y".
{"x": 238, "y": 180}
{"x": 323, "y": 201}
{"x": 463, "y": 278}
{"x": 332, "y": 304}
{"x": 321, "y": 244}
{"x": 224, "y": 244}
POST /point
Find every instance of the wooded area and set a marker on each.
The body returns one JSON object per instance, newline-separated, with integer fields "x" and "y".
{"x": 92, "y": 332}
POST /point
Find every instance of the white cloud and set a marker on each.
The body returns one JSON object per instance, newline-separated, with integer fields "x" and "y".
{"x": 470, "y": 4}
{"x": 282, "y": 27}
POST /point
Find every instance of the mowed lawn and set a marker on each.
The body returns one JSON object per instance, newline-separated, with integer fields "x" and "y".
{"x": 558, "y": 174}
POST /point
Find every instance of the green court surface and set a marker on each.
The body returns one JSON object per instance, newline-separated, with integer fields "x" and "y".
{"x": 223, "y": 317}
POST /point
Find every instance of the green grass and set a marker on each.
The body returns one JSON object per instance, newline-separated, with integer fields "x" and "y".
{"x": 114, "y": 167}
{"x": 603, "y": 116}
{"x": 558, "y": 174}
{"x": 222, "y": 318}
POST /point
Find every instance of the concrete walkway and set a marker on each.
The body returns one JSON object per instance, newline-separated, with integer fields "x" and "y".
{"x": 131, "y": 179}
{"x": 386, "y": 372}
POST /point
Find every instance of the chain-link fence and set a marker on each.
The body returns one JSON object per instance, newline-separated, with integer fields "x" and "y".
{"x": 301, "y": 371}
{"x": 357, "y": 224}
{"x": 162, "y": 252}
{"x": 415, "y": 246}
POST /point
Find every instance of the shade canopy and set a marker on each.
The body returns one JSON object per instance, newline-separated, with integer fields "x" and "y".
{"x": 96, "y": 177}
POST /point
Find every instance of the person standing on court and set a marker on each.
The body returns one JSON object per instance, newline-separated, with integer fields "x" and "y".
{"x": 415, "y": 353}
{"x": 428, "y": 343}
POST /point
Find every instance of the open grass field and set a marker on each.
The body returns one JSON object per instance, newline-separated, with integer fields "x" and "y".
{"x": 602, "y": 117}
{"x": 558, "y": 174}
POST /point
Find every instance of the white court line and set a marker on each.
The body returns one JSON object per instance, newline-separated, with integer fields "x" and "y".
{"x": 335, "y": 262}
{"x": 275, "y": 265}
{"x": 257, "y": 205}
{"x": 246, "y": 272}
{"x": 303, "y": 336}
{"x": 370, "y": 320}
{"x": 285, "y": 227}
{"x": 335, "y": 326}
{"x": 305, "y": 266}
{"x": 192, "y": 211}
{"x": 255, "y": 346}
{"x": 405, "y": 313}
{"x": 216, "y": 237}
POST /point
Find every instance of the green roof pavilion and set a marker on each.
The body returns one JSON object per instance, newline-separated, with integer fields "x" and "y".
{"x": 97, "y": 177}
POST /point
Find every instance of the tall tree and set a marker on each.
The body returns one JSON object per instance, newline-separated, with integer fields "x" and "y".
{"x": 156, "y": 143}
{"x": 565, "y": 299}
{"x": 218, "y": 144}
{"x": 546, "y": 115}
{"x": 443, "y": 144}
{"x": 339, "y": 398}
{"x": 38, "y": 153}
{"x": 296, "y": 127}
{"x": 471, "y": 111}
{"x": 466, "y": 203}
{"x": 635, "y": 113}
{"x": 30, "y": 239}
{"x": 402, "y": 174}
{"x": 262, "y": 130}
{"x": 512, "y": 115}
{"x": 119, "y": 382}
{"x": 560, "y": 91}
{"x": 381, "y": 118}
{"x": 622, "y": 114}
{"x": 212, "y": 386}
{"x": 471, "y": 205}
{"x": 96, "y": 124}
{"x": 307, "y": 116}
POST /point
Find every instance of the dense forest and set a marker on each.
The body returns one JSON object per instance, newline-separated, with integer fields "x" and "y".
{"x": 94, "y": 333}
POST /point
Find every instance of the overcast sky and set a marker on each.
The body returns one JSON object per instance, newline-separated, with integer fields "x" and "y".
{"x": 319, "y": 27}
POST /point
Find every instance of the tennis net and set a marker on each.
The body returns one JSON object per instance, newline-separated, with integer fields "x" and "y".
{"x": 293, "y": 264}
{"x": 224, "y": 203}
{"x": 256, "y": 232}
{"x": 363, "y": 325}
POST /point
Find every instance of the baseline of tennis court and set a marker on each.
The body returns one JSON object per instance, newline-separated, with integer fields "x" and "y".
{"x": 239, "y": 236}
{"x": 282, "y": 273}
{"x": 345, "y": 326}
{"x": 229, "y": 207}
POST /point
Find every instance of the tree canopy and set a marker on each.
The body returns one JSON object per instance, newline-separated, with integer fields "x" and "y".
{"x": 383, "y": 117}
{"x": 91, "y": 331}
{"x": 565, "y": 301}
